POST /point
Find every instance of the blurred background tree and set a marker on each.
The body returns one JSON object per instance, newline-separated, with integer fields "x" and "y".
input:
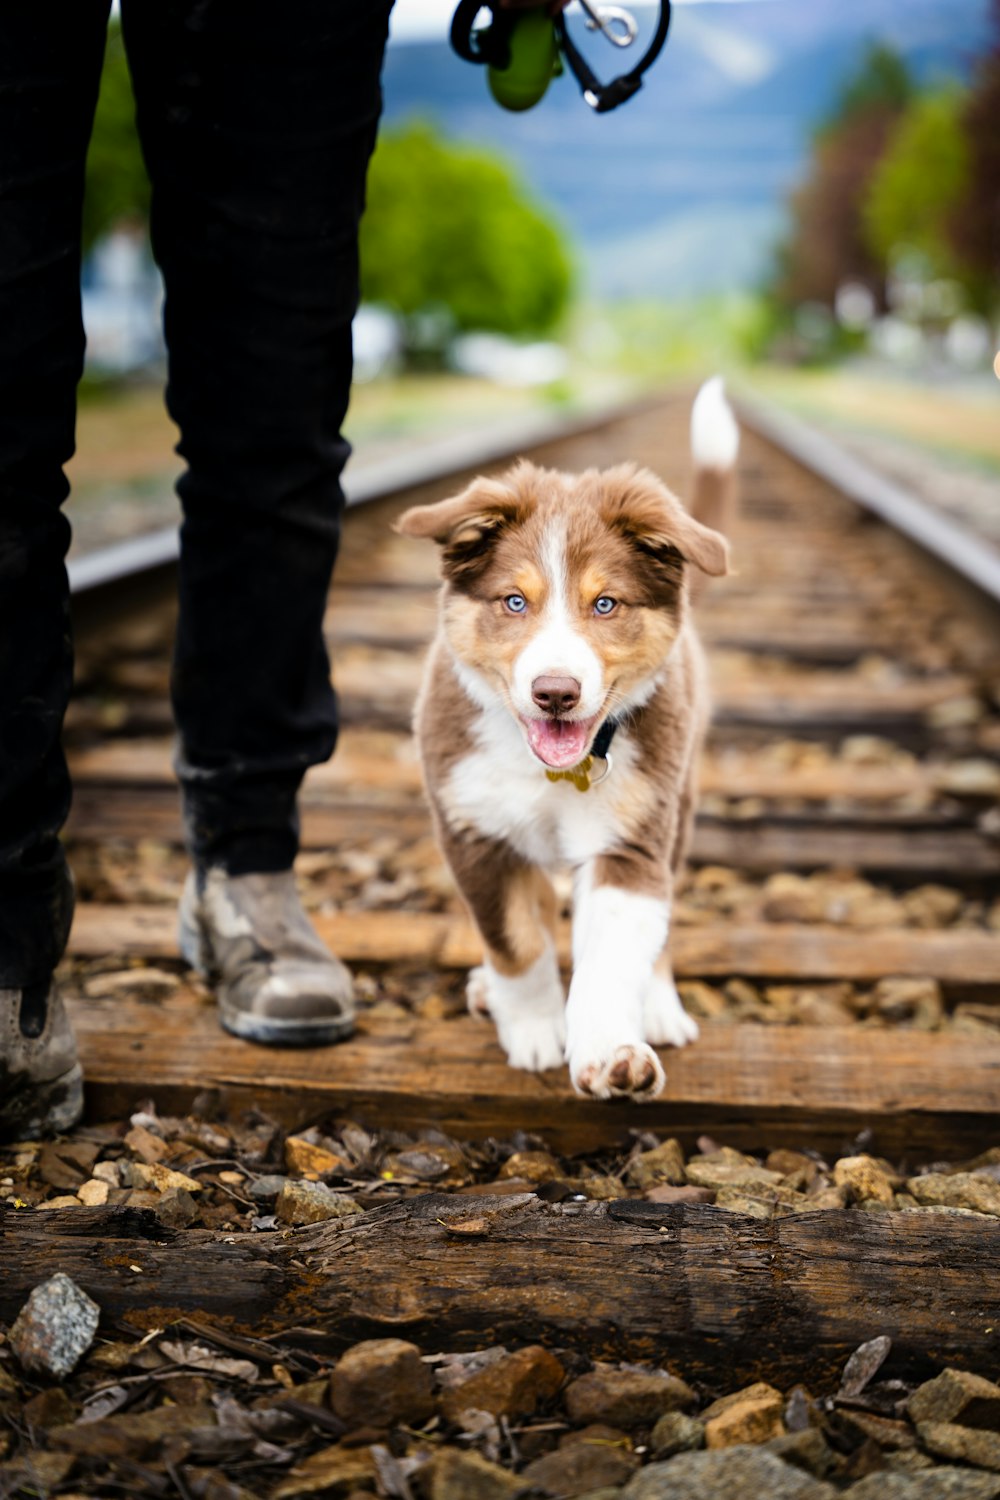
{"x": 918, "y": 182}
{"x": 451, "y": 233}
{"x": 974, "y": 223}
{"x": 827, "y": 244}
{"x": 117, "y": 188}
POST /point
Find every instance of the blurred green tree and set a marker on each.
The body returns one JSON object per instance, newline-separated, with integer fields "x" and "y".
{"x": 974, "y": 222}
{"x": 827, "y": 245}
{"x": 451, "y": 230}
{"x": 116, "y": 184}
{"x": 921, "y": 178}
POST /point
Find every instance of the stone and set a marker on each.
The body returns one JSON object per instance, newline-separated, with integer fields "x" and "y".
{"x": 864, "y": 1179}
{"x": 145, "y": 1145}
{"x": 107, "y": 1171}
{"x": 453, "y": 1475}
{"x": 956, "y": 1396}
{"x": 155, "y": 1176}
{"x": 303, "y": 1156}
{"x": 933, "y": 1484}
{"x": 676, "y": 1433}
{"x": 515, "y": 1385}
{"x": 328, "y": 1472}
{"x": 265, "y": 1189}
{"x": 918, "y": 1002}
{"x": 382, "y": 1381}
{"x": 733, "y": 1474}
{"x": 601, "y": 1188}
{"x": 533, "y": 1166}
{"x": 666, "y": 1194}
{"x": 752, "y": 1415}
{"x": 664, "y": 1164}
{"x": 93, "y": 1194}
{"x": 54, "y": 1328}
{"x": 626, "y": 1398}
{"x": 312, "y": 1203}
{"x": 971, "y": 1445}
{"x": 709, "y": 1171}
{"x": 736, "y": 1201}
{"x": 176, "y": 1208}
{"x": 957, "y": 1190}
{"x": 788, "y": 1162}
{"x": 807, "y": 1449}
{"x": 581, "y": 1467}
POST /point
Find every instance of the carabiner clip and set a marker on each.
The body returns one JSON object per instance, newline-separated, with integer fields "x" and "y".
{"x": 618, "y": 25}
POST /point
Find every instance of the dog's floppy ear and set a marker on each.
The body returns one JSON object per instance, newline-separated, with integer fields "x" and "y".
{"x": 653, "y": 518}
{"x": 466, "y": 526}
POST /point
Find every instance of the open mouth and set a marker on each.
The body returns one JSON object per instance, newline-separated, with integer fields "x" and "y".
{"x": 560, "y": 743}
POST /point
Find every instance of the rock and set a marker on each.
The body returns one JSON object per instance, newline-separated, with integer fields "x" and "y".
{"x": 807, "y": 1449}
{"x": 145, "y": 1145}
{"x": 580, "y": 1467}
{"x": 676, "y": 1433}
{"x": 916, "y": 1001}
{"x": 534, "y": 1166}
{"x": 176, "y": 1208}
{"x": 54, "y": 1328}
{"x": 328, "y": 1472}
{"x": 773, "y": 1201}
{"x": 626, "y": 1398}
{"x": 382, "y": 1381}
{"x": 600, "y": 1188}
{"x": 789, "y": 1162}
{"x": 736, "y": 1201}
{"x": 452, "y": 1475}
{"x": 864, "y": 1179}
{"x": 665, "y": 1194}
{"x": 719, "y": 1171}
{"x": 265, "y": 1189}
{"x": 864, "y": 1364}
{"x": 311, "y": 1203}
{"x": 734, "y": 1474}
{"x": 956, "y": 1396}
{"x": 752, "y": 1415}
{"x": 971, "y": 1445}
{"x": 153, "y": 1175}
{"x": 94, "y": 1194}
{"x": 825, "y": 1198}
{"x": 303, "y": 1156}
{"x": 515, "y": 1385}
{"x": 932, "y": 1484}
{"x": 664, "y": 1164}
{"x": 107, "y": 1171}
{"x": 957, "y": 1190}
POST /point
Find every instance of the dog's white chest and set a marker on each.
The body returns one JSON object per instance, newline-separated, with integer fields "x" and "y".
{"x": 499, "y": 791}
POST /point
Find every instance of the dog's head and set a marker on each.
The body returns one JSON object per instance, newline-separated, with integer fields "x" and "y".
{"x": 564, "y": 594}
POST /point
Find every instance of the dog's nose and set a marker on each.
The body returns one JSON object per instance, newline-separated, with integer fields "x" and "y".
{"x": 555, "y": 695}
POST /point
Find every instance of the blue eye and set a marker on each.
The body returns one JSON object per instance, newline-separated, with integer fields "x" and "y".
{"x": 605, "y": 605}
{"x": 516, "y": 603}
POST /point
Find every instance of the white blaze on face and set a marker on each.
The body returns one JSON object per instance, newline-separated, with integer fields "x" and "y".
{"x": 558, "y": 649}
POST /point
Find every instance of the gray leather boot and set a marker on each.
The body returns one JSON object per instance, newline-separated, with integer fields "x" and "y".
{"x": 41, "y": 1083}
{"x": 276, "y": 981}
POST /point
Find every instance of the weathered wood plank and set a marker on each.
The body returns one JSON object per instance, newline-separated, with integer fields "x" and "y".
{"x": 892, "y": 845}
{"x": 714, "y": 1295}
{"x": 767, "y": 950}
{"x": 918, "y": 1091}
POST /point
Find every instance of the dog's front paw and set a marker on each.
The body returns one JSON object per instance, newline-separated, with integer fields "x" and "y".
{"x": 628, "y": 1070}
{"x": 665, "y": 1022}
{"x": 477, "y": 991}
{"x": 534, "y": 1042}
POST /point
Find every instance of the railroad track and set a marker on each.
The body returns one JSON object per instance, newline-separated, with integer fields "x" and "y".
{"x": 839, "y": 938}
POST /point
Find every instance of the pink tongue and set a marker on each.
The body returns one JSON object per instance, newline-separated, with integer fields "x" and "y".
{"x": 558, "y": 742}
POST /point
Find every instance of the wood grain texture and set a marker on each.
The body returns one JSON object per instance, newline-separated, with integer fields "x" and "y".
{"x": 714, "y": 1295}
{"x": 919, "y": 1092}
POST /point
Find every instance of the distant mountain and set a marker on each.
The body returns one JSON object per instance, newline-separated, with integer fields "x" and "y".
{"x": 683, "y": 188}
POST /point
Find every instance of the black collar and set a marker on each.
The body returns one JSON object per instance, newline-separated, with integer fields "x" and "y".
{"x": 603, "y": 738}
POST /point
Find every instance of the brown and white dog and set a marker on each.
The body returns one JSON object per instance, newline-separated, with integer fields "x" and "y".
{"x": 565, "y": 614}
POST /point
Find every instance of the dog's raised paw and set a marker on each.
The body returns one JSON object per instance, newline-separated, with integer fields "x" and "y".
{"x": 535, "y": 1043}
{"x": 665, "y": 1022}
{"x": 477, "y": 991}
{"x": 632, "y": 1070}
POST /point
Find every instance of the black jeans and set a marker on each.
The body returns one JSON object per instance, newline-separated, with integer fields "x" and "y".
{"x": 257, "y": 122}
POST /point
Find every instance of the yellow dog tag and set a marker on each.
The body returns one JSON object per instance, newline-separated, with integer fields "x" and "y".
{"x": 578, "y": 775}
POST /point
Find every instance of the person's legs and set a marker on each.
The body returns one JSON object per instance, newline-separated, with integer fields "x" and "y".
{"x": 50, "y": 63}
{"x": 257, "y": 129}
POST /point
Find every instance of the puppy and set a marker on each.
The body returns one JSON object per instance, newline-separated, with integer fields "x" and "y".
{"x": 559, "y": 722}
